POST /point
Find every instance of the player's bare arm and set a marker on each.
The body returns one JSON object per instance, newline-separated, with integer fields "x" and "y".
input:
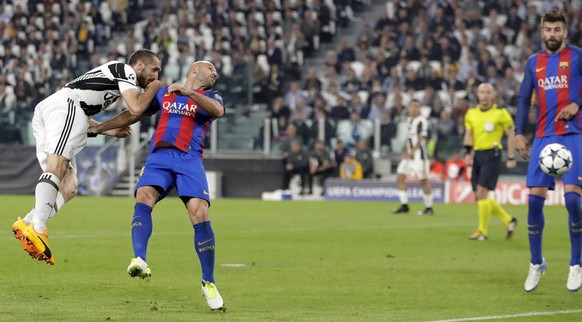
{"x": 210, "y": 106}
{"x": 138, "y": 102}
{"x": 468, "y": 145}
{"x": 119, "y": 122}
{"x": 511, "y": 163}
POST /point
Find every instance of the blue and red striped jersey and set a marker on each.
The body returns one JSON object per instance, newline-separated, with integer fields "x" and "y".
{"x": 557, "y": 81}
{"x": 181, "y": 122}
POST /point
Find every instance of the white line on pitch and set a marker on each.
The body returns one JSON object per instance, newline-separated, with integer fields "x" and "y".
{"x": 497, "y": 317}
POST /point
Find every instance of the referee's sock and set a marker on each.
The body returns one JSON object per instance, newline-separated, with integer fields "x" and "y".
{"x": 499, "y": 211}
{"x": 535, "y": 227}
{"x": 484, "y": 213}
{"x": 141, "y": 229}
{"x": 572, "y": 200}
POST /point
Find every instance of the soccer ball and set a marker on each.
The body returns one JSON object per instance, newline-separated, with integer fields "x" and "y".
{"x": 555, "y": 159}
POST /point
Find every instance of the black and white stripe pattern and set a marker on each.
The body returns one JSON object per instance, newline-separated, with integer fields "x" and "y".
{"x": 100, "y": 87}
{"x": 417, "y": 128}
{"x": 68, "y": 126}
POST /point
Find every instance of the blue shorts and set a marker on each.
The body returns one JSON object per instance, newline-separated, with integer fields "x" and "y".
{"x": 167, "y": 168}
{"x": 537, "y": 178}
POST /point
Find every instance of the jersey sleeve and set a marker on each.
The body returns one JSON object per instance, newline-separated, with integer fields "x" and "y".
{"x": 468, "y": 123}
{"x": 524, "y": 98}
{"x": 124, "y": 75}
{"x": 423, "y": 128}
{"x": 506, "y": 120}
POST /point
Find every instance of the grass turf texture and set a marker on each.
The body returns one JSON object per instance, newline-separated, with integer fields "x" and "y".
{"x": 305, "y": 261}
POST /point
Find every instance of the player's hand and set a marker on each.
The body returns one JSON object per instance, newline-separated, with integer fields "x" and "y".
{"x": 510, "y": 164}
{"x": 468, "y": 160}
{"x": 568, "y": 112}
{"x": 119, "y": 133}
{"x": 178, "y": 89}
{"x": 522, "y": 146}
{"x": 155, "y": 83}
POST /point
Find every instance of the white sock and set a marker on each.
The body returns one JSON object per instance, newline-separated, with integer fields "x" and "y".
{"x": 60, "y": 202}
{"x": 45, "y": 195}
{"x": 403, "y": 196}
{"x": 428, "y": 200}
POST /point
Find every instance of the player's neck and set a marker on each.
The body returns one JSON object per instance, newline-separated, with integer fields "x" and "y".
{"x": 556, "y": 51}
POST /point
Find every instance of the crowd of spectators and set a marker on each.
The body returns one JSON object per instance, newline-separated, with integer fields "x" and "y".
{"x": 43, "y": 44}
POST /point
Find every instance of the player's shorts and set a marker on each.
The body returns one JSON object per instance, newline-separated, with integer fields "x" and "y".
{"x": 168, "y": 167}
{"x": 537, "y": 178}
{"x": 418, "y": 168}
{"x": 486, "y": 168}
{"x": 59, "y": 126}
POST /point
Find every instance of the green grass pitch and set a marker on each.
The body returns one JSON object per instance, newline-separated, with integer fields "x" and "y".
{"x": 301, "y": 261}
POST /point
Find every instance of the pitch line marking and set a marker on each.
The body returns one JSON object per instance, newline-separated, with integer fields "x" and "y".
{"x": 509, "y": 316}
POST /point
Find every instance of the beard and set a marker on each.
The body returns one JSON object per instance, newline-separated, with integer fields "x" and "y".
{"x": 553, "y": 45}
{"x": 141, "y": 82}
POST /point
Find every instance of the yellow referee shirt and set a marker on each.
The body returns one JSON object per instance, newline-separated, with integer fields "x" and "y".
{"x": 487, "y": 126}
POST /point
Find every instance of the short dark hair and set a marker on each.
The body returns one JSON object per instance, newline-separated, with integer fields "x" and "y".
{"x": 145, "y": 55}
{"x": 555, "y": 15}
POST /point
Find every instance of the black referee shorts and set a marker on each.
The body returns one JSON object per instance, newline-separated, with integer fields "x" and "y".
{"x": 486, "y": 168}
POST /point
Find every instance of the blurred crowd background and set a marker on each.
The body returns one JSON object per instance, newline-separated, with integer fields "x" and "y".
{"x": 289, "y": 60}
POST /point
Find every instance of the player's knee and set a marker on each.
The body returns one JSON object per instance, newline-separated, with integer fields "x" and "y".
{"x": 146, "y": 195}
{"x": 197, "y": 210}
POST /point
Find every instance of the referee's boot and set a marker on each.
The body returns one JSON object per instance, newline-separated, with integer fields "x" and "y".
{"x": 403, "y": 209}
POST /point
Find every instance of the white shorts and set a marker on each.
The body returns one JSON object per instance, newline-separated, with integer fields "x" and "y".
{"x": 414, "y": 168}
{"x": 59, "y": 126}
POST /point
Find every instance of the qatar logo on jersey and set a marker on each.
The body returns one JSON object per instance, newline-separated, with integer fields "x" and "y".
{"x": 553, "y": 82}
{"x": 180, "y": 108}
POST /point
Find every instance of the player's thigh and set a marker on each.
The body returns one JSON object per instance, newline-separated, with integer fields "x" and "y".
{"x": 405, "y": 167}
{"x": 574, "y": 143}
{"x": 157, "y": 172}
{"x": 421, "y": 168}
{"x": 64, "y": 125}
{"x": 191, "y": 178}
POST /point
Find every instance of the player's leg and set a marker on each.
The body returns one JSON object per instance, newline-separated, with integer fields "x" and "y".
{"x": 538, "y": 183}
{"x": 67, "y": 191}
{"x": 204, "y": 244}
{"x": 401, "y": 173}
{"x": 573, "y": 191}
{"x": 422, "y": 174}
{"x": 61, "y": 132}
{"x": 193, "y": 190}
{"x": 141, "y": 230}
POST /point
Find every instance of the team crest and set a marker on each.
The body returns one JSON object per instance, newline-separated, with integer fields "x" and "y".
{"x": 564, "y": 65}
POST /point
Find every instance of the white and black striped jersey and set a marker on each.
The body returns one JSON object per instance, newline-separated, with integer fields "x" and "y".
{"x": 103, "y": 85}
{"x": 416, "y": 128}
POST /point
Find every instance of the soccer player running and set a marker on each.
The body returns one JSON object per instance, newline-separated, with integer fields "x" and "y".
{"x": 175, "y": 160}
{"x": 61, "y": 125}
{"x": 415, "y": 160}
{"x": 485, "y": 125}
{"x": 556, "y": 75}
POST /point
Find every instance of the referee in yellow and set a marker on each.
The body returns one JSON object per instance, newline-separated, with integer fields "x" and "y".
{"x": 484, "y": 127}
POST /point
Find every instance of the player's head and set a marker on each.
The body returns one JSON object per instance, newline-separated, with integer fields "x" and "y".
{"x": 554, "y": 30}
{"x": 414, "y": 108}
{"x": 202, "y": 75}
{"x": 147, "y": 65}
{"x": 486, "y": 94}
